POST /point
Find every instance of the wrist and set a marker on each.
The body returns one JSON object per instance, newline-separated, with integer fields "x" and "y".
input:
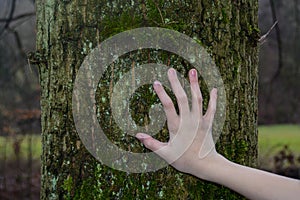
{"x": 209, "y": 168}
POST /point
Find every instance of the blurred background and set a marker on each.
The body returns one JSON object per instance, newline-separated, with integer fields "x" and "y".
{"x": 279, "y": 96}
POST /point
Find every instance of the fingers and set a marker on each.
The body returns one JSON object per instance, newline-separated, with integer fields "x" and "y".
{"x": 196, "y": 93}
{"x": 150, "y": 142}
{"x": 166, "y": 101}
{"x": 212, "y": 105}
{"x": 179, "y": 92}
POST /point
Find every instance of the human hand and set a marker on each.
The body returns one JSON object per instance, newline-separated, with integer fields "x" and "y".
{"x": 191, "y": 146}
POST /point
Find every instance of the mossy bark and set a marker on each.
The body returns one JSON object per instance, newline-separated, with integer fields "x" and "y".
{"x": 68, "y": 30}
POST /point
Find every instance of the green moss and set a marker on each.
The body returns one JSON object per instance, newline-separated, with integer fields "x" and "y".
{"x": 68, "y": 187}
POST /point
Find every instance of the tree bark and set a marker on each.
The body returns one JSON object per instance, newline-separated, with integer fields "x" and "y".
{"x": 66, "y": 33}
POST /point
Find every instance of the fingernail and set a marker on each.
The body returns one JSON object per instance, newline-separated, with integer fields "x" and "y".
{"x": 172, "y": 71}
{"x": 157, "y": 83}
{"x": 193, "y": 72}
{"x": 141, "y": 136}
{"x": 215, "y": 90}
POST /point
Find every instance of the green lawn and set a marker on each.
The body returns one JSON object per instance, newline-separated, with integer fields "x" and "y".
{"x": 272, "y": 138}
{"x": 8, "y": 146}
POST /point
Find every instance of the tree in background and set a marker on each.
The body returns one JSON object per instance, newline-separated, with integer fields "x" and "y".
{"x": 67, "y": 31}
{"x": 279, "y": 68}
{"x": 16, "y": 40}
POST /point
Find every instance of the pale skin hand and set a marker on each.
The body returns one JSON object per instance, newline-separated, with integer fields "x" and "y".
{"x": 200, "y": 158}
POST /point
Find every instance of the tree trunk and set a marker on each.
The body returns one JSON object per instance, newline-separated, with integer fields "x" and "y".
{"x": 66, "y": 33}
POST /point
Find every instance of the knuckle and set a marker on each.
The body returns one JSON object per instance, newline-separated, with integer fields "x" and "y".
{"x": 173, "y": 128}
{"x": 183, "y": 98}
{"x": 168, "y": 105}
{"x": 199, "y": 99}
{"x": 148, "y": 143}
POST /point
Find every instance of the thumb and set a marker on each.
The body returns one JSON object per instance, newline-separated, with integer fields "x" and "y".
{"x": 150, "y": 142}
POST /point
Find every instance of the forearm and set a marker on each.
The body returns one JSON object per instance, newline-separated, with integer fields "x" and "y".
{"x": 250, "y": 182}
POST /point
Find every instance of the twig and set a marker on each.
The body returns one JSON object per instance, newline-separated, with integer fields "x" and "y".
{"x": 264, "y": 37}
{"x": 161, "y": 16}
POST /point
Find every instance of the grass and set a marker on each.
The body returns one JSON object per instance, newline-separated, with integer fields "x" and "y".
{"x": 271, "y": 139}
{"x": 9, "y": 149}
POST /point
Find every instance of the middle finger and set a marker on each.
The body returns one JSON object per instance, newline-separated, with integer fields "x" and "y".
{"x": 179, "y": 92}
